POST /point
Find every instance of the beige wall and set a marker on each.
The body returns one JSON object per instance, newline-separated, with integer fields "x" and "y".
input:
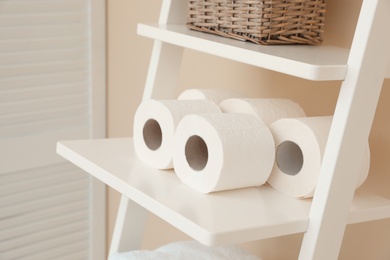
{"x": 128, "y": 58}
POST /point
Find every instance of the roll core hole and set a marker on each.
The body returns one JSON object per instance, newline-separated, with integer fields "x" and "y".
{"x": 152, "y": 134}
{"x": 289, "y": 158}
{"x": 196, "y": 153}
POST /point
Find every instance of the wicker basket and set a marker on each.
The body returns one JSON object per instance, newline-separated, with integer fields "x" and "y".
{"x": 260, "y": 21}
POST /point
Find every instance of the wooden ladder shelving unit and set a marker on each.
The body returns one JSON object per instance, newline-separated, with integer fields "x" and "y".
{"x": 362, "y": 69}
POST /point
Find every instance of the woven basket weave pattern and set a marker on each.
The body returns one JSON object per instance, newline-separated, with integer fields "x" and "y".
{"x": 262, "y": 22}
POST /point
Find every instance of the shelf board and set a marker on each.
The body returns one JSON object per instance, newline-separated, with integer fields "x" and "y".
{"x": 309, "y": 62}
{"x": 226, "y": 217}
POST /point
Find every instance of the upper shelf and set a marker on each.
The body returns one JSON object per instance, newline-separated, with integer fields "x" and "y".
{"x": 309, "y": 62}
{"x": 227, "y": 217}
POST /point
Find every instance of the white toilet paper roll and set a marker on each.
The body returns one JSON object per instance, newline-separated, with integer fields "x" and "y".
{"x": 215, "y": 152}
{"x": 300, "y": 144}
{"x": 155, "y": 122}
{"x": 266, "y": 109}
{"x": 214, "y": 95}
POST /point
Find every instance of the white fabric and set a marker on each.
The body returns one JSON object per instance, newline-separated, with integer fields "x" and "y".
{"x": 187, "y": 250}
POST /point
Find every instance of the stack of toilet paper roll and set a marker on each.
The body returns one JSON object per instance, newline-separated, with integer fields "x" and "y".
{"x": 217, "y": 140}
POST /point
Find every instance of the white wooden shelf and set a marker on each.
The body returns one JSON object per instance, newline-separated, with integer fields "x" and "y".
{"x": 309, "y": 62}
{"x": 218, "y": 218}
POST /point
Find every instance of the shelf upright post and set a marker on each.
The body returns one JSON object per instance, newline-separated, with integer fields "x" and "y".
{"x": 367, "y": 64}
{"x": 160, "y": 83}
{"x": 129, "y": 226}
{"x": 166, "y": 59}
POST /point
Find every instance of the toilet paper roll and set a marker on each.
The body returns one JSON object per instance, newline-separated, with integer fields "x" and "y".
{"x": 215, "y": 152}
{"x": 214, "y": 95}
{"x": 155, "y": 122}
{"x": 266, "y": 109}
{"x": 300, "y": 144}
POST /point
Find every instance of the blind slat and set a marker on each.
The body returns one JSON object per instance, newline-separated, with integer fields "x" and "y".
{"x": 31, "y": 182}
{"x": 37, "y": 172}
{"x": 39, "y": 193}
{"x": 42, "y": 68}
{"x": 25, "y": 148}
{"x": 14, "y": 58}
{"x": 18, "y": 7}
{"x": 13, "y": 237}
{"x": 47, "y": 126}
{"x": 43, "y": 245}
{"x": 43, "y": 115}
{"x": 74, "y": 251}
{"x": 36, "y": 205}
{"x": 42, "y": 19}
{"x": 14, "y": 107}
{"x": 44, "y": 80}
{"x": 23, "y": 95}
{"x": 45, "y": 213}
{"x": 43, "y": 44}
{"x": 34, "y": 32}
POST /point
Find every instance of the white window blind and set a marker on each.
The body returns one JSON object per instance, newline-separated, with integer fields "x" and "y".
{"x": 47, "y": 206}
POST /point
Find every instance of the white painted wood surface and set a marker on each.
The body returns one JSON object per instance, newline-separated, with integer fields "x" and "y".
{"x": 129, "y": 226}
{"x": 221, "y": 218}
{"x": 309, "y": 62}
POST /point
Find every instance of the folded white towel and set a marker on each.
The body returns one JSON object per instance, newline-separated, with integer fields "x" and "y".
{"x": 187, "y": 250}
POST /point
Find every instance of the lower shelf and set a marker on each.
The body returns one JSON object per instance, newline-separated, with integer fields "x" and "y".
{"x": 227, "y": 217}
